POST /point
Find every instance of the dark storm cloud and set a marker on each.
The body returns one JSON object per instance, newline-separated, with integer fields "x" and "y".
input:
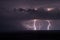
{"x": 29, "y": 3}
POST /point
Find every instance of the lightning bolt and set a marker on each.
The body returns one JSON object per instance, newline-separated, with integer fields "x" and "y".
{"x": 49, "y": 25}
{"x": 34, "y": 24}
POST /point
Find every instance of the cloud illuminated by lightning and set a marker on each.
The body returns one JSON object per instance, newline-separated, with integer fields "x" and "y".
{"x": 49, "y": 9}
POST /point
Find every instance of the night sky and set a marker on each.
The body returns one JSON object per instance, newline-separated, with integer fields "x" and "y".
{"x": 29, "y": 3}
{"x": 9, "y": 25}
